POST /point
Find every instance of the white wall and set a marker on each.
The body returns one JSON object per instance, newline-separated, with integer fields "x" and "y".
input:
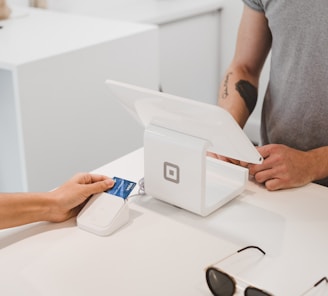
{"x": 18, "y": 2}
{"x": 231, "y": 13}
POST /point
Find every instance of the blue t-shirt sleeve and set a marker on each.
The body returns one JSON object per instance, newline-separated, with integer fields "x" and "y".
{"x": 254, "y": 4}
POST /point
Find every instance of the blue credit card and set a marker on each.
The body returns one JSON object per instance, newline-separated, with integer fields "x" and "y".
{"x": 122, "y": 187}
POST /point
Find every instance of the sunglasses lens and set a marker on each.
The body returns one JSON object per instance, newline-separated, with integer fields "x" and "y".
{"x": 251, "y": 291}
{"x": 219, "y": 282}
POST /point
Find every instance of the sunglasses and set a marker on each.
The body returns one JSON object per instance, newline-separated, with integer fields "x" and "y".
{"x": 222, "y": 284}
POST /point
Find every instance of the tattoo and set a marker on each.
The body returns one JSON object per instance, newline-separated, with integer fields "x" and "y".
{"x": 248, "y": 92}
{"x": 225, "y": 86}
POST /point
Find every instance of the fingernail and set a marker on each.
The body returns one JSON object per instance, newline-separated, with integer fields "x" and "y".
{"x": 110, "y": 182}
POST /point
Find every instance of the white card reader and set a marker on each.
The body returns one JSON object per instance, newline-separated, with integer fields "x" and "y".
{"x": 103, "y": 214}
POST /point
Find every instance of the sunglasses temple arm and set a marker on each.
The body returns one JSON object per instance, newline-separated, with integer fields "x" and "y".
{"x": 243, "y": 249}
{"x": 315, "y": 285}
{"x": 222, "y": 259}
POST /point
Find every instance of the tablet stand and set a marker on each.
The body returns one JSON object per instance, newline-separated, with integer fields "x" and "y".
{"x": 178, "y": 171}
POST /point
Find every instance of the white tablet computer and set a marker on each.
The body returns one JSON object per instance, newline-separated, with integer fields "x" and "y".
{"x": 183, "y": 129}
{"x": 189, "y": 117}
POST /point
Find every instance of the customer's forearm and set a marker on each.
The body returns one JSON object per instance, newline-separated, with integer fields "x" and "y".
{"x": 22, "y": 208}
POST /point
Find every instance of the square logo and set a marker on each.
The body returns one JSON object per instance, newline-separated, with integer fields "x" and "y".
{"x": 171, "y": 172}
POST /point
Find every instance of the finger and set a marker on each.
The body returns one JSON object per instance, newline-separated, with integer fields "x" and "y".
{"x": 86, "y": 178}
{"x": 216, "y": 156}
{"x": 267, "y": 164}
{"x": 256, "y": 168}
{"x": 234, "y": 161}
{"x": 99, "y": 186}
{"x": 244, "y": 164}
{"x": 264, "y": 150}
{"x": 264, "y": 175}
{"x": 97, "y": 178}
{"x": 211, "y": 154}
{"x": 273, "y": 184}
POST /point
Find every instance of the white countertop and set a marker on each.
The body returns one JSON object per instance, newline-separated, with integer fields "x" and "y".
{"x": 163, "y": 250}
{"x": 33, "y": 34}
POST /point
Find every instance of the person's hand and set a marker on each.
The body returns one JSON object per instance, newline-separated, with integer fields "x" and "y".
{"x": 226, "y": 159}
{"x": 67, "y": 200}
{"x": 283, "y": 167}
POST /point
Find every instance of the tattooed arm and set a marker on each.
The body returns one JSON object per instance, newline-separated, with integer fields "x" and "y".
{"x": 283, "y": 166}
{"x": 238, "y": 92}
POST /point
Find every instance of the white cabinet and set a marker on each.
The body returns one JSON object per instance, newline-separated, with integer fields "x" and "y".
{"x": 56, "y": 115}
{"x": 189, "y": 38}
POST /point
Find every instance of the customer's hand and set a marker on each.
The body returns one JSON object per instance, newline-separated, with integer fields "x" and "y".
{"x": 67, "y": 200}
